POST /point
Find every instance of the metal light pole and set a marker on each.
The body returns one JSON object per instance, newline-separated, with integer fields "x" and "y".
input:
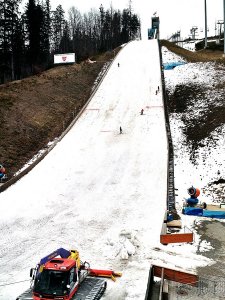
{"x": 206, "y": 24}
{"x": 224, "y": 27}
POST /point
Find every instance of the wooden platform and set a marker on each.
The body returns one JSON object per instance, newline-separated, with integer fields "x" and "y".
{"x": 175, "y": 275}
{"x": 174, "y": 224}
{"x": 172, "y": 232}
{"x": 220, "y": 206}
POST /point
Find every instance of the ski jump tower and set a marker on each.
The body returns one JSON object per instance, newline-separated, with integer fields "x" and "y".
{"x": 153, "y": 32}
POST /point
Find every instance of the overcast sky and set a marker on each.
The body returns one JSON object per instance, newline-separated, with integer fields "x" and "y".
{"x": 174, "y": 15}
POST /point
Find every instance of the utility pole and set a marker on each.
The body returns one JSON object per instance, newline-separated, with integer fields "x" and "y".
{"x": 206, "y": 25}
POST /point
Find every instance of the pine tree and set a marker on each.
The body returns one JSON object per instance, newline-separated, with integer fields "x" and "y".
{"x": 125, "y": 26}
{"x": 34, "y": 21}
{"x": 8, "y": 23}
{"x": 19, "y": 51}
{"x": 58, "y": 25}
{"x": 65, "y": 43}
{"x": 116, "y": 29}
{"x": 134, "y": 27}
{"x": 45, "y": 33}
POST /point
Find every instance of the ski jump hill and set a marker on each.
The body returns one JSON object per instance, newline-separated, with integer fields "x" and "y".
{"x": 99, "y": 191}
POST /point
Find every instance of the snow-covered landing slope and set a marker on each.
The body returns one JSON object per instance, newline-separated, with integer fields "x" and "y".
{"x": 97, "y": 191}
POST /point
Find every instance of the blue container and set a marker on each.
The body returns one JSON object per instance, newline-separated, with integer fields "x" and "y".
{"x": 193, "y": 211}
{"x": 214, "y": 214}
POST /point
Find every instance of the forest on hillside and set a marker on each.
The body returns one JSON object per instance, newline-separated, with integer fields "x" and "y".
{"x": 30, "y": 38}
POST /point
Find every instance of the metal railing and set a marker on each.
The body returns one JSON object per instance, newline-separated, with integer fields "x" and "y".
{"x": 170, "y": 171}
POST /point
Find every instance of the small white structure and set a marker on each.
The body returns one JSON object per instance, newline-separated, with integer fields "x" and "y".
{"x": 67, "y": 58}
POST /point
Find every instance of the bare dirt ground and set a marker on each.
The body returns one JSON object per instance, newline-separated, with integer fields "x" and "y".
{"x": 202, "y": 55}
{"x": 36, "y": 110}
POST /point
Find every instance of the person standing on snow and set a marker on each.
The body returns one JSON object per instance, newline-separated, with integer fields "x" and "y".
{"x": 121, "y": 131}
{"x": 142, "y": 111}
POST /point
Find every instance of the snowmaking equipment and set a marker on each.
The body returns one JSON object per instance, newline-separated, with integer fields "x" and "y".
{"x": 192, "y": 206}
{"x": 194, "y": 193}
{"x": 62, "y": 276}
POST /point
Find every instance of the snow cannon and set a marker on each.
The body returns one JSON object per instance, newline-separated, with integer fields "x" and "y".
{"x": 194, "y": 193}
{"x": 2, "y": 171}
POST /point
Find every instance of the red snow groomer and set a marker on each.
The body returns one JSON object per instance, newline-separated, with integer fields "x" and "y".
{"x": 62, "y": 276}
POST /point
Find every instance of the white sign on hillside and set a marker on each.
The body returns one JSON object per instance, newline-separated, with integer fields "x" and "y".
{"x": 64, "y": 58}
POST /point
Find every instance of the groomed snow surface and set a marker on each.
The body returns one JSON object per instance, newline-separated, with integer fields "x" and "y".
{"x": 99, "y": 191}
